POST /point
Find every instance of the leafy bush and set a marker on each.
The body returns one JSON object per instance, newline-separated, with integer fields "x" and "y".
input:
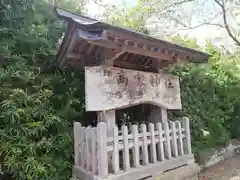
{"x": 38, "y": 102}
{"x": 210, "y": 97}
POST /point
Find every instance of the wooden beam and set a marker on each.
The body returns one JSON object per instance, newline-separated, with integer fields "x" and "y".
{"x": 153, "y": 45}
{"x": 110, "y": 62}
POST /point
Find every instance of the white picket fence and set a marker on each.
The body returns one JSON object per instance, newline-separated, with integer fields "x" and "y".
{"x": 99, "y": 155}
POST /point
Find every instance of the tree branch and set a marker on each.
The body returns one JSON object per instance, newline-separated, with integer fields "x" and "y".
{"x": 228, "y": 29}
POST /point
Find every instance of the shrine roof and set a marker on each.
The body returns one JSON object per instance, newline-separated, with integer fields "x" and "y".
{"x": 88, "y": 42}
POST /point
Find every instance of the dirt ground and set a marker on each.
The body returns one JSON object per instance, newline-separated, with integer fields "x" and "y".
{"x": 227, "y": 170}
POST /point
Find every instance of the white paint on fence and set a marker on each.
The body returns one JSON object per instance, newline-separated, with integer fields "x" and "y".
{"x": 94, "y": 149}
{"x": 113, "y": 88}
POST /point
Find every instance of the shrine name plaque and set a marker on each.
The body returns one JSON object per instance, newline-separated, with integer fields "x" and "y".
{"x": 115, "y": 88}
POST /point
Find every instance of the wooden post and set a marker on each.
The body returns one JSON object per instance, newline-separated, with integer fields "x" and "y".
{"x": 174, "y": 139}
{"x": 94, "y": 154}
{"x": 160, "y": 144}
{"x": 158, "y": 115}
{"x": 167, "y": 142}
{"x": 110, "y": 119}
{"x": 102, "y": 150}
{"x": 153, "y": 143}
{"x": 115, "y": 151}
{"x": 77, "y": 142}
{"x": 126, "y": 160}
{"x": 136, "y": 146}
{"x": 188, "y": 135}
{"x": 180, "y": 138}
{"x": 164, "y": 116}
{"x": 145, "y": 145}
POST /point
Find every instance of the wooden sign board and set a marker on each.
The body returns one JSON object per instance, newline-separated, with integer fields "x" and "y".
{"x": 115, "y": 88}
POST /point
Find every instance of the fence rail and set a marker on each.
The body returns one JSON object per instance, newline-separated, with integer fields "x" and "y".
{"x": 129, "y": 148}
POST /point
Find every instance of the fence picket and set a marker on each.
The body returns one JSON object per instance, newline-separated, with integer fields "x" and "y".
{"x": 174, "y": 139}
{"x": 94, "y": 154}
{"x": 153, "y": 143}
{"x": 102, "y": 150}
{"x": 180, "y": 138}
{"x": 160, "y": 144}
{"x": 136, "y": 146}
{"x": 115, "y": 151}
{"x": 188, "y": 136}
{"x": 145, "y": 145}
{"x": 98, "y": 154}
{"x": 88, "y": 148}
{"x": 83, "y": 156}
{"x": 126, "y": 160}
{"x": 167, "y": 142}
{"x": 77, "y": 142}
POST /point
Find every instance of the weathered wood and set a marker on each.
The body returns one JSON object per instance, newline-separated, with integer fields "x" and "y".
{"x": 164, "y": 115}
{"x": 97, "y": 146}
{"x": 112, "y": 88}
{"x": 83, "y": 146}
{"x": 161, "y": 153}
{"x": 126, "y": 159}
{"x": 174, "y": 139}
{"x": 145, "y": 145}
{"x": 136, "y": 146}
{"x": 111, "y": 122}
{"x": 188, "y": 135}
{"x": 102, "y": 150}
{"x": 158, "y": 114}
{"x": 153, "y": 143}
{"x": 167, "y": 142}
{"x": 88, "y": 148}
{"x": 93, "y": 150}
{"x": 180, "y": 138}
{"x": 77, "y": 142}
{"x": 115, "y": 151}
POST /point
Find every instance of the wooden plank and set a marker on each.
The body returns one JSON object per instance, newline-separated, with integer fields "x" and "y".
{"x": 188, "y": 135}
{"x": 102, "y": 150}
{"x": 110, "y": 119}
{"x": 167, "y": 143}
{"x": 160, "y": 144}
{"x": 164, "y": 115}
{"x": 93, "y": 150}
{"x": 88, "y": 148}
{"x": 83, "y": 146}
{"x": 145, "y": 144}
{"x": 77, "y": 142}
{"x": 115, "y": 151}
{"x": 112, "y": 88}
{"x": 153, "y": 143}
{"x": 174, "y": 139}
{"x": 126, "y": 160}
{"x": 180, "y": 138}
{"x": 136, "y": 162}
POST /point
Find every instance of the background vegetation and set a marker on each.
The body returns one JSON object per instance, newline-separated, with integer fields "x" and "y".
{"x": 39, "y": 102}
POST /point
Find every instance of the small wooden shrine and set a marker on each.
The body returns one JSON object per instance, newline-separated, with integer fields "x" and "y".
{"x": 122, "y": 69}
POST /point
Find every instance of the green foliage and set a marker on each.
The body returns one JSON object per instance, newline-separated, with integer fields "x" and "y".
{"x": 210, "y": 97}
{"x": 38, "y": 102}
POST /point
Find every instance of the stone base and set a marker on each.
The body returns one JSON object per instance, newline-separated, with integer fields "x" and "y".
{"x": 188, "y": 172}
